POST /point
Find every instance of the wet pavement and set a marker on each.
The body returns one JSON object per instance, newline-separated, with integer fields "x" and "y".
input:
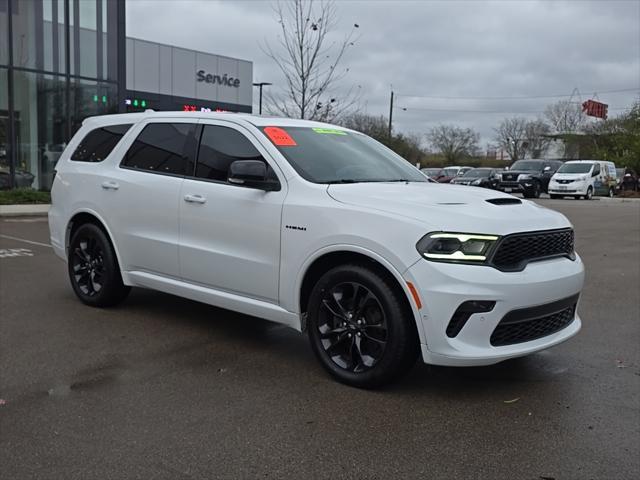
{"x": 162, "y": 387}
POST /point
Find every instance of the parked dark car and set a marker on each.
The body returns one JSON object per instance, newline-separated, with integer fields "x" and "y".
{"x": 22, "y": 179}
{"x": 478, "y": 177}
{"x": 529, "y": 177}
{"x": 627, "y": 179}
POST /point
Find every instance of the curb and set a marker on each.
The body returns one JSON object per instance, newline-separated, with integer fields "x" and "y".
{"x": 24, "y": 210}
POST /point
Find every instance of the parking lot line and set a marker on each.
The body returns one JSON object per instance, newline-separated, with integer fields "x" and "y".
{"x": 9, "y": 237}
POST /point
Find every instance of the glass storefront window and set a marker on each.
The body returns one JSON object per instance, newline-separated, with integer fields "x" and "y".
{"x": 40, "y": 127}
{"x": 4, "y": 130}
{"x": 90, "y": 98}
{"x": 39, "y": 35}
{"x": 4, "y": 33}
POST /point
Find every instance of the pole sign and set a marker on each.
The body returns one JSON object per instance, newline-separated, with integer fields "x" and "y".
{"x": 595, "y": 109}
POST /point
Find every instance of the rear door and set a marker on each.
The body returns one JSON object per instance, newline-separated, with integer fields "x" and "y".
{"x": 142, "y": 195}
{"x": 230, "y": 234}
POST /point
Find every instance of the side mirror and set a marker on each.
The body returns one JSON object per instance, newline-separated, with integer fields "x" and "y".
{"x": 252, "y": 173}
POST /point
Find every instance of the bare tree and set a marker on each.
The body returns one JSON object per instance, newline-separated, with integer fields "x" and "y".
{"x": 309, "y": 61}
{"x": 511, "y": 136}
{"x": 375, "y": 126}
{"x": 536, "y": 138}
{"x": 454, "y": 142}
{"x": 565, "y": 116}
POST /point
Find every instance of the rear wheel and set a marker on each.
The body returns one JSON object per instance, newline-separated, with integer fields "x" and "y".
{"x": 360, "y": 327}
{"x": 93, "y": 268}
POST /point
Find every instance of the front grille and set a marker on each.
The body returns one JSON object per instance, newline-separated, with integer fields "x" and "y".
{"x": 508, "y": 177}
{"x": 513, "y": 252}
{"x": 524, "y": 325}
{"x": 564, "y": 182}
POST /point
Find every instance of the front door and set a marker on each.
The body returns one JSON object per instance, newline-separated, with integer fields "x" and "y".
{"x": 230, "y": 234}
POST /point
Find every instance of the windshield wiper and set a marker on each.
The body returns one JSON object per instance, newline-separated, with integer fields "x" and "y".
{"x": 342, "y": 180}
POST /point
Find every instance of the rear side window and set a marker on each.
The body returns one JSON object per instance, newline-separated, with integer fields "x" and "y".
{"x": 161, "y": 148}
{"x": 98, "y": 143}
{"x": 219, "y": 147}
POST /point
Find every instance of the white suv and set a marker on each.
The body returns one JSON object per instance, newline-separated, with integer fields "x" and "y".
{"x": 317, "y": 227}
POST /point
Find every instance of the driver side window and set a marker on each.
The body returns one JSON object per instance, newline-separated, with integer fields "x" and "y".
{"x": 596, "y": 170}
{"x": 219, "y": 148}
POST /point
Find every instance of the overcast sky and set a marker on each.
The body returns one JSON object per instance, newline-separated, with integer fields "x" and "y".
{"x": 506, "y": 48}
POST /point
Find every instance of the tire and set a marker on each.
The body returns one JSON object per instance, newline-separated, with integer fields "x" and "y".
{"x": 555, "y": 197}
{"x": 612, "y": 193}
{"x": 537, "y": 190}
{"x": 589, "y": 194}
{"x": 93, "y": 268}
{"x": 360, "y": 327}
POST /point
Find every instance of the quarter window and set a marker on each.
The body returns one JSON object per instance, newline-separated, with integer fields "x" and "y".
{"x": 161, "y": 148}
{"x": 98, "y": 143}
{"x": 219, "y": 147}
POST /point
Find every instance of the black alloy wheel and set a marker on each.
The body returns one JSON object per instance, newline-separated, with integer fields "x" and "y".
{"x": 88, "y": 266}
{"x": 361, "y": 327}
{"x": 352, "y": 327}
{"x": 93, "y": 268}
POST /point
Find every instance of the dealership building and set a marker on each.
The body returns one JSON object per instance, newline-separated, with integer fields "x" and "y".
{"x": 62, "y": 61}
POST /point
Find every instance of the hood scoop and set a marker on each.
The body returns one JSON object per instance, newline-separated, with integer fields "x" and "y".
{"x": 504, "y": 201}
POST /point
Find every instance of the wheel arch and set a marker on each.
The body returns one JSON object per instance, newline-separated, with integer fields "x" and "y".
{"x": 85, "y": 216}
{"x": 326, "y": 259}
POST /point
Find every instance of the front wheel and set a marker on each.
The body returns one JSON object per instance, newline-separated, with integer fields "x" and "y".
{"x": 555, "y": 197}
{"x": 360, "y": 327}
{"x": 611, "y": 192}
{"x": 93, "y": 268}
{"x": 589, "y": 194}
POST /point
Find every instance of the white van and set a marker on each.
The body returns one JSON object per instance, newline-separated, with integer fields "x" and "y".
{"x": 584, "y": 178}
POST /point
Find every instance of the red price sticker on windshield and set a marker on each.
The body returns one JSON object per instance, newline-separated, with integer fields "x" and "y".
{"x": 279, "y": 137}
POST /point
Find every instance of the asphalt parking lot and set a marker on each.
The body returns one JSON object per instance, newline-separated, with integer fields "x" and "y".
{"x": 162, "y": 387}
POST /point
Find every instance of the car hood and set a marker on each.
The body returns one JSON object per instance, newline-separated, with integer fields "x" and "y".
{"x": 449, "y": 208}
{"x": 570, "y": 176}
{"x": 522, "y": 172}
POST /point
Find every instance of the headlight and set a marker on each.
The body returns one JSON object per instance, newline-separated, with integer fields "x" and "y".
{"x": 524, "y": 176}
{"x": 477, "y": 182}
{"x": 456, "y": 247}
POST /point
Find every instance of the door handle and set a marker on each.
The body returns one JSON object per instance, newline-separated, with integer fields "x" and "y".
{"x": 194, "y": 199}
{"x": 110, "y": 185}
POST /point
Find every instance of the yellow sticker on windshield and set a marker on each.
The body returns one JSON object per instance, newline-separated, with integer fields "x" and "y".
{"x": 330, "y": 131}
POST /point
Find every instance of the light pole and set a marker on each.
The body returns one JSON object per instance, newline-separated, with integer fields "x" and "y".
{"x": 260, "y": 85}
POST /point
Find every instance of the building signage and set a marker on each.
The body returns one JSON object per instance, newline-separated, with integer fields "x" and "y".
{"x": 595, "y": 109}
{"x": 226, "y": 80}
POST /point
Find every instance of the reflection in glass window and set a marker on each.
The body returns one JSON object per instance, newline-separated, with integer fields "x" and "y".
{"x": 219, "y": 147}
{"x": 160, "y": 147}
{"x": 98, "y": 143}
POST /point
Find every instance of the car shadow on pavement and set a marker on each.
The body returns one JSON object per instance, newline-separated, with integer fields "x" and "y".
{"x": 249, "y": 336}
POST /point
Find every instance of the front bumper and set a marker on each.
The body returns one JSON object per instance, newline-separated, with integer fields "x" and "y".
{"x": 573, "y": 188}
{"x": 444, "y": 287}
{"x": 515, "y": 187}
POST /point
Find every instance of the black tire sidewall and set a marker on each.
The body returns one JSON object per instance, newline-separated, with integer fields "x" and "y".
{"x": 113, "y": 289}
{"x": 402, "y": 342}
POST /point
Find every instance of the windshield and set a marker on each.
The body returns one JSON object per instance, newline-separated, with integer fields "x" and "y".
{"x": 433, "y": 172}
{"x": 575, "y": 168}
{"x": 326, "y": 155}
{"x": 477, "y": 173}
{"x": 528, "y": 165}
